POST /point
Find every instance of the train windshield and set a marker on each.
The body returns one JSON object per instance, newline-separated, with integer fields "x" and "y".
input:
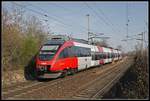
{"x": 47, "y": 52}
{"x": 49, "y": 48}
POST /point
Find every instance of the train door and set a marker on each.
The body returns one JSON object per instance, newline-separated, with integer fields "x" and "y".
{"x": 115, "y": 55}
{"x": 96, "y": 60}
{"x": 84, "y": 58}
{"x": 92, "y": 55}
{"x": 83, "y": 63}
{"x": 105, "y": 55}
{"x": 109, "y": 55}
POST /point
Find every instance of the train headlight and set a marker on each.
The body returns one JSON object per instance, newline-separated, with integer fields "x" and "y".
{"x": 42, "y": 67}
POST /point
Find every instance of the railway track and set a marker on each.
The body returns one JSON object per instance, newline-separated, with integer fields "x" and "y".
{"x": 31, "y": 89}
{"x": 34, "y": 87}
{"x": 19, "y": 91}
{"x": 20, "y": 87}
{"x": 93, "y": 89}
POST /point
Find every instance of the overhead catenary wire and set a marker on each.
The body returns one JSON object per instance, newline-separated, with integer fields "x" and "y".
{"x": 42, "y": 14}
{"x": 65, "y": 9}
{"x": 95, "y": 14}
{"x": 41, "y": 9}
{"x": 101, "y": 18}
{"x": 45, "y": 15}
{"x": 106, "y": 17}
{"x": 69, "y": 10}
{"x": 57, "y": 16}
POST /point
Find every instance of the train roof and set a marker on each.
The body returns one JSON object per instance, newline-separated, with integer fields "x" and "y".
{"x": 80, "y": 40}
{"x": 54, "y": 42}
{"x": 60, "y": 39}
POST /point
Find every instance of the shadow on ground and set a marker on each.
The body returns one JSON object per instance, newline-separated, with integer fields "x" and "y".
{"x": 46, "y": 80}
{"x": 29, "y": 69}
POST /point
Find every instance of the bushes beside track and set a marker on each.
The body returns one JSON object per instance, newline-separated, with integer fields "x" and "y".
{"x": 21, "y": 39}
{"x": 135, "y": 83}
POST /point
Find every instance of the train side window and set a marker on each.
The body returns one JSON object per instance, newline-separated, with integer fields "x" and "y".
{"x": 78, "y": 51}
{"x": 113, "y": 55}
{"x": 93, "y": 56}
{"x": 89, "y": 52}
{"x": 97, "y": 56}
{"x": 74, "y": 51}
{"x": 70, "y": 52}
{"x": 100, "y": 56}
{"x": 86, "y": 52}
{"x": 108, "y": 55}
{"x": 104, "y": 55}
{"x": 83, "y": 51}
{"x": 61, "y": 55}
{"x": 64, "y": 53}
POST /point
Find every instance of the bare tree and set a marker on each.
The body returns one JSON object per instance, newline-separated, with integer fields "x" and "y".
{"x": 19, "y": 39}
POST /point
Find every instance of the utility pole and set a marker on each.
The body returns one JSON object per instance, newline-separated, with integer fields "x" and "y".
{"x": 127, "y": 24}
{"x": 142, "y": 38}
{"x": 88, "y": 26}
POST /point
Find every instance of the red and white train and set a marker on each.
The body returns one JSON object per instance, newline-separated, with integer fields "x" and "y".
{"x": 58, "y": 58}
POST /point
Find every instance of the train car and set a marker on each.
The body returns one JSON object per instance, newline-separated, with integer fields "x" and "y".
{"x": 109, "y": 55}
{"x": 120, "y": 55}
{"x": 58, "y": 58}
{"x": 115, "y": 52}
{"x": 105, "y": 54}
{"x": 101, "y": 56}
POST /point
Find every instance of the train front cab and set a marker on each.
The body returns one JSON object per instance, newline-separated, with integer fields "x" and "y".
{"x": 51, "y": 63}
{"x": 68, "y": 59}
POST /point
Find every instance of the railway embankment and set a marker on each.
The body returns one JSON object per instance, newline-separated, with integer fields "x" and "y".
{"x": 15, "y": 77}
{"x": 12, "y": 77}
{"x": 134, "y": 84}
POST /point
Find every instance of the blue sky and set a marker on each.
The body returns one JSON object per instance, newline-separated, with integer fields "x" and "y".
{"x": 110, "y": 19}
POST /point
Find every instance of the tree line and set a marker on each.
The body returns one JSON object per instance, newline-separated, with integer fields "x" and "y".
{"x": 22, "y": 37}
